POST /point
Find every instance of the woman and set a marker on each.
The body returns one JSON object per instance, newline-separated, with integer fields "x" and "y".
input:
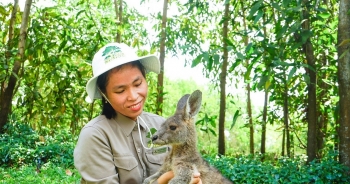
{"x": 112, "y": 148}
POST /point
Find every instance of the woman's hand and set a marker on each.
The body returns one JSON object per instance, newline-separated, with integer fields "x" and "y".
{"x": 196, "y": 178}
{"x": 164, "y": 179}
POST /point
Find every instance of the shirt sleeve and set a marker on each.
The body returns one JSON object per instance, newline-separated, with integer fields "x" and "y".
{"x": 93, "y": 158}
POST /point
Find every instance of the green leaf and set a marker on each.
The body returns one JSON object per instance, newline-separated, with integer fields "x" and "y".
{"x": 229, "y": 42}
{"x": 234, "y": 65}
{"x": 291, "y": 73}
{"x": 210, "y": 64}
{"x": 196, "y": 61}
{"x": 212, "y": 131}
{"x": 204, "y": 129}
{"x": 262, "y": 81}
{"x": 3, "y": 11}
{"x": 81, "y": 11}
{"x": 306, "y": 78}
{"x": 249, "y": 48}
{"x": 258, "y": 16}
{"x": 240, "y": 56}
{"x": 324, "y": 15}
{"x": 255, "y": 8}
{"x": 216, "y": 58}
{"x": 234, "y": 119}
{"x": 247, "y": 73}
{"x": 151, "y": 132}
{"x": 62, "y": 45}
{"x": 212, "y": 123}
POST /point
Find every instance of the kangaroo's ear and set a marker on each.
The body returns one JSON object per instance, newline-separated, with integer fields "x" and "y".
{"x": 193, "y": 104}
{"x": 182, "y": 102}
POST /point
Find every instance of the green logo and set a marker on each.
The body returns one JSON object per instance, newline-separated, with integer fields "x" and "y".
{"x": 112, "y": 52}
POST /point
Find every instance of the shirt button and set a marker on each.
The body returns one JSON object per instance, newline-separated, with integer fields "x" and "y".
{"x": 138, "y": 150}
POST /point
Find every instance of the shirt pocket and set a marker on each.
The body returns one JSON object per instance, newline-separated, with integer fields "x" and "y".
{"x": 127, "y": 169}
{"x": 125, "y": 162}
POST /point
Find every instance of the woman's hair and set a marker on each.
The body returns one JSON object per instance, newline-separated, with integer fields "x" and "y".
{"x": 102, "y": 82}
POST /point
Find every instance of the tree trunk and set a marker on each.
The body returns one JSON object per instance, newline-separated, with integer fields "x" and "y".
{"x": 344, "y": 81}
{"x": 160, "y": 85}
{"x": 322, "y": 115}
{"x": 119, "y": 17}
{"x": 283, "y": 142}
{"x": 10, "y": 45}
{"x": 263, "y": 128}
{"x": 311, "y": 114}
{"x": 285, "y": 118}
{"x": 249, "y": 105}
{"x": 223, "y": 75}
{"x": 311, "y": 86}
{"x": 266, "y": 96}
{"x": 8, "y": 92}
{"x": 251, "y": 126}
{"x": 337, "y": 137}
{"x": 291, "y": 140}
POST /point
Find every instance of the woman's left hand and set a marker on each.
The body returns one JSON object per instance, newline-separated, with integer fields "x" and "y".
{"x": 164, "y": 178}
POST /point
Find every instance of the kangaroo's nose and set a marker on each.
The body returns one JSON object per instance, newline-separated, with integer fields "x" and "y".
{"x": 154, "y": 137}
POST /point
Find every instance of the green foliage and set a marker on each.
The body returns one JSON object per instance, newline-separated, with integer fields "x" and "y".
{"x": 250, "y": 169}
{"x": 207, "y": 123}
{"x": 151, "y": 105}
{"x": 49, "y": 173}
{"x": 62, "y": 39}
{"x": 21, "y": 145}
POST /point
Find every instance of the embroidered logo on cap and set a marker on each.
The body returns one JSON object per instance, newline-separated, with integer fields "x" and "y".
{"x": 112, "y": 52}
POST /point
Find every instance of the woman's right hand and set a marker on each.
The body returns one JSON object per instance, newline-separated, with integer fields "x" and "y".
{"x": 196, "y": 178}
{"x": 164, "y": 179}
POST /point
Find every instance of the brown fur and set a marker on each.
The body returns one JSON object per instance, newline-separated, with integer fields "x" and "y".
{"x": 179, "y": 131}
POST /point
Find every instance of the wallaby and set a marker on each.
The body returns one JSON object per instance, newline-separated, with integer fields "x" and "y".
{"x": 179, "y": 131}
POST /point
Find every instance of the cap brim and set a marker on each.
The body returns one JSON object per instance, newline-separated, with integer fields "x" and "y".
{"x": 92, "y": 90}
{"x": 150, "y": 62}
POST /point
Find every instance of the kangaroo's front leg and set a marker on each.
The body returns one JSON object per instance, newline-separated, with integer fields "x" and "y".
{"x": 182, "y": 175}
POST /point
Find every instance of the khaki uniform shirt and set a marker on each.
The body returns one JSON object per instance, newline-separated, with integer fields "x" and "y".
{"x": 110, "y": 150}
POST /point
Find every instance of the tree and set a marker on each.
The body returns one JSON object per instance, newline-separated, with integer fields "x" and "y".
{"x": 265, "y": 85}
{"x": 118, "y": 6}
{"x": 344, "y": 81}
{"x": 8, "y": 86}
{"x": 160, "y": 85}
{"x": 311, "y": 71}
{"x": 223, "y": 74}
{"x": 248, "y": 88}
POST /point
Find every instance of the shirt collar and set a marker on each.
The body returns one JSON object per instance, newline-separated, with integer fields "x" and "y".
{"x": 127, "y": 124}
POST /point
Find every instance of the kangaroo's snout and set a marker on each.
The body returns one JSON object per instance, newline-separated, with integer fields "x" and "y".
{"x": 154, "y": 137}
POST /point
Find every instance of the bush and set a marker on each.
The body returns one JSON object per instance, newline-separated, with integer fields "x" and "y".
{"x": 27, "y": 156}
{"x": 49, "y": 174}
{"x": 249, "y": 169}
{"x": 21, "y": 145}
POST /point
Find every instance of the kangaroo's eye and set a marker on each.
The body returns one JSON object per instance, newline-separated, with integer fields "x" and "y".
{"x": 172, "y": 127}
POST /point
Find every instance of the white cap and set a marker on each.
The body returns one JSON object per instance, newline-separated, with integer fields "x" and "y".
{"x": 111, "y": 56}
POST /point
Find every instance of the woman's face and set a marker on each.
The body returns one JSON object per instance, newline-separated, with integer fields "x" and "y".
{"x": 127, "y": 90}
